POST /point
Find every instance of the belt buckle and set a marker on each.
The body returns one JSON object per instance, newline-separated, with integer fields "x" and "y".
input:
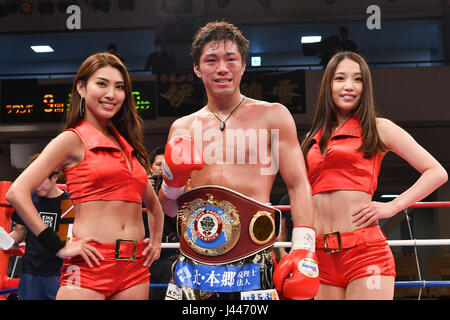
{"x": 338, "y": 236}
{"x": 117, "y": 252}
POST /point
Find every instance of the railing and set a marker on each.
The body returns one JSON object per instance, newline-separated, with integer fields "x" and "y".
{"x": 398, "y": 284}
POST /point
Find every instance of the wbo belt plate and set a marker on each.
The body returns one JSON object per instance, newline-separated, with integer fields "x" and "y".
{"x": 209, "y": 227}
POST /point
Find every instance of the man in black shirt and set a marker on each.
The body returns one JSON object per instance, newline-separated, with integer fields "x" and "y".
{"x": 41, "y": 270}
{"x": 160, "y": 61}
{"x": 161, "y": 269}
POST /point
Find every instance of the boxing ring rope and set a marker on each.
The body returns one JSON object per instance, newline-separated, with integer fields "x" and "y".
{"x": 440, "y": 204}
{"x": 393, "y": 243}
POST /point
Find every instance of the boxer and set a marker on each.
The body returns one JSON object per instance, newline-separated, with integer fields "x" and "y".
{"x": 238, "y": 145}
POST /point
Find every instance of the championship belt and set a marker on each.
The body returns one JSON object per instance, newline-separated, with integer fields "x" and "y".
{"x": 217, "y": 225}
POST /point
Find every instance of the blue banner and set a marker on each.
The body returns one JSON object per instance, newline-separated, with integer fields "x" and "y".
{"x": 217, "y": 278}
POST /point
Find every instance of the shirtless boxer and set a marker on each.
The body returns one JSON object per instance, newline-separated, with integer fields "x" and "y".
{"x": 236, "y": 144}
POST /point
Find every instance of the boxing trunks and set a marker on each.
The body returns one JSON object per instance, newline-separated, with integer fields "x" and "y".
{"x": 344, "y": 257}
{"x": 226, "y": 242}
{"x": 122, "y": 268}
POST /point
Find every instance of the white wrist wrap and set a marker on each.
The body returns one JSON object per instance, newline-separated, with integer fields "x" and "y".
{"x": 6, "y": 242}
{"x": 171, "y": 192}
{"x": 303, "y": 238}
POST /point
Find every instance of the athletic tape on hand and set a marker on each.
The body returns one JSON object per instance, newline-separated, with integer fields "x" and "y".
{"x": 303, "y": 238}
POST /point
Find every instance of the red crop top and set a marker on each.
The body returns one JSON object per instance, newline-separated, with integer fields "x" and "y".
{"x": 103, "y": 174}
{"x": 342, "y": 167}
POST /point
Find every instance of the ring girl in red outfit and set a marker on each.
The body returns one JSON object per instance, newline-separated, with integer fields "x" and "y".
{"x": 343, "y": 150}
{"x": 104, "y": 160}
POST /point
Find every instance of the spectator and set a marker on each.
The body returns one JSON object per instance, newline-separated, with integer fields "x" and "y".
{"x": 160, "y": 61}
{"x": 346, "y": 44}
{"x": 336, "y": 43}
{"x": 286, "y": 228}
{"x": 160, "y": 270}
{"x": 112, "y": 48}
{"x": 41, "y": 270}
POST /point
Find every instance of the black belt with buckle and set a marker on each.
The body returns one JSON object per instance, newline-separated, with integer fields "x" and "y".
{"x": 117, "y": 251}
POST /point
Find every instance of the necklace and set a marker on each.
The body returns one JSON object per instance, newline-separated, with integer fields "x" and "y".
{"x": 223, "y": 122}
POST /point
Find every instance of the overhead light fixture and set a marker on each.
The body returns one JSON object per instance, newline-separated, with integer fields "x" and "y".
{"x": 127, "y": 4}
{"x": 256, "y": 61}
{"x": 102, "y": 5}
{"x": 311, "y": 39}
{"x": 42, "y": 49}
{"x": 26, "y": 6}
{"x": 46, "y": 7}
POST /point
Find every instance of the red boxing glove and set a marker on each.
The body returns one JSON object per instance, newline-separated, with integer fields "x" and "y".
{"x": 180, "y": 159}
{"x": 301, "y": 264}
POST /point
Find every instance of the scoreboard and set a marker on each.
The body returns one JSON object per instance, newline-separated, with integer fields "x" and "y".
{"x": 176, "y": 95}
{"x": 29, "y": 101}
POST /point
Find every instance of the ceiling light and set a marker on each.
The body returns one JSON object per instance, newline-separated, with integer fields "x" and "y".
{"x": 42, "y": 49}
{"x": 311, "y": 39}
{"x": 256, "y": 61}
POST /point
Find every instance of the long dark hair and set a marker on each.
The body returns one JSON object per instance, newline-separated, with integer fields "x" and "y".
{"x": 127, "y": 121}
{"x": 325, "y": 114}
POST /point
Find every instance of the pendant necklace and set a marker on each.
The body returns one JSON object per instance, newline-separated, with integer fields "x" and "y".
{"x": 223, "y": 122}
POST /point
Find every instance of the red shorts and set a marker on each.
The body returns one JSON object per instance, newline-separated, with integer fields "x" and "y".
{"x": 113, "y": 274}
{"x": 367, "y": 254}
